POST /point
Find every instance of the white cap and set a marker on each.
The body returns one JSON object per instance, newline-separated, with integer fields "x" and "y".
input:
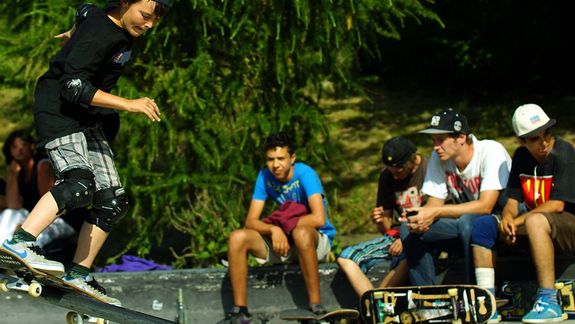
{"x": 530, "y": 119}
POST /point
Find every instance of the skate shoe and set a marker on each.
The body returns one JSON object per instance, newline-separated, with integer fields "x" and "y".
{"x": 235, "y": 316}
{"x": 544, "y": 312}
{"x": 495, "y": 318}
{"x": 90, "y": 287}
{"x": 30, "y": 254}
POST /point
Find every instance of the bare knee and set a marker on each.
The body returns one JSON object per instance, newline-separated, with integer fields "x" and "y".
{"x": 304, "y": 237}
{"x": 537, "y": 223}
{"x": 344, "y": 263}
{"x": 238, "y": 240}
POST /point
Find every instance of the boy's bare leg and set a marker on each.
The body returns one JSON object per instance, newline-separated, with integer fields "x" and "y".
{"x": 542, "y": 250}
{"x": 43, "y": 214}
{"x": 483, "y": 257}
{"x": 306, "y": 239}
{"x": 90, "y": 241}
{"x": 397, "y": 276}
{"x": 240, "y": 243}
{"x": 358, "y": 280}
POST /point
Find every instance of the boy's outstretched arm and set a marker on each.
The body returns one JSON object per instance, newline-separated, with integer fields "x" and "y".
{"x": 143, "y": 105}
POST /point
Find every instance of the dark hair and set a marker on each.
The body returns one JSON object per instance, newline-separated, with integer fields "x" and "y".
{"x": 160, "y": 8}
{"x": 22, "y": 134}
{"x": 279, "y": 140}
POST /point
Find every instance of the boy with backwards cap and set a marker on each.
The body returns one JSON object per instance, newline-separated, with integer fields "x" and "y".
{"x": 541, "y": 175}
{"x": 472, "y": 172}
{"x": 399, "y": 188}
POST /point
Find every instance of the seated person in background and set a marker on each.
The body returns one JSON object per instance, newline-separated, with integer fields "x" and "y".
{"x": 541, "y": 177}
{"x": 283, "y": 181}
{"x": 29, "y": 177}
{"x": 398, "y": 188}
{"x": 473, "y": 172}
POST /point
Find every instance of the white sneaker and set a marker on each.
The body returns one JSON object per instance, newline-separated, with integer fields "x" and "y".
{"x": 91, "y": 288}
{"x": 30, "y": 254}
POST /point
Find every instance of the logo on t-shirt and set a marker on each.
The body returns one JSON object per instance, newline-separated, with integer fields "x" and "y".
{"x": 463, "y": 189}
{"x": 122, "y": 58}
{"x": 536, "y": 190}
{"x": 408, "y": 198}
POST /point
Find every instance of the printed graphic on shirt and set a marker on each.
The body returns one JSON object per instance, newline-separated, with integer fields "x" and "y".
{"x": 463, "y": 190}
{"x": 536, "y": 190}
{"x": 122, "y": 58}
{"x": 286, "y": 192}
{"x": 408, "y": 198}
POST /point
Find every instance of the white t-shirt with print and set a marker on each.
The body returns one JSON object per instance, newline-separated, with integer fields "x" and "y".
{"x": 487, "y": 170}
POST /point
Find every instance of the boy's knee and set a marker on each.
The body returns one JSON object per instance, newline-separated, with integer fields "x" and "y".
{"x": 484, "y": 232}
{"x": 304, "y": 235}
{"x": 237, "y": 238}
{"x": 75, "y": 189}
{"x": 535, "y": 223}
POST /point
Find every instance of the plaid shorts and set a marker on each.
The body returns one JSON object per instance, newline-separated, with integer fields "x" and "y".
{"x": 87, "y": 150}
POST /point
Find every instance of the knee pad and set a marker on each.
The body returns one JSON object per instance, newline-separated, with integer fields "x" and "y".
{"x": 74, "y": 190}
{"x": 485, "y": 232}
{"x": 108, "y": 206}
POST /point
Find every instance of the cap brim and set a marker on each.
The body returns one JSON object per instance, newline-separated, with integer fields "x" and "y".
{"x": 549, "y": 124}
{"x": 435, "y": 131}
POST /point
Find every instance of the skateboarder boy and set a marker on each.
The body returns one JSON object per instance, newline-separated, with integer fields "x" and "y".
{"x": 541, "y": 178}
{"x": 76, "y": 118}
{"x": 283, "y": 181}
{"x": 472, "y": 172}
{"x": 398, "y": 189}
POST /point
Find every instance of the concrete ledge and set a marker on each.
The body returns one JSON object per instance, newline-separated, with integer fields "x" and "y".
{"x": 207, "y": 292}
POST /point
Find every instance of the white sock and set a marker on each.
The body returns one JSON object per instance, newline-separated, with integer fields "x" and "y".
{"x": 485, "y": 277}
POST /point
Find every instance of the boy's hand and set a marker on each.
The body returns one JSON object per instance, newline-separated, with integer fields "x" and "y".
{"x": 508, "y": 228}
{"x": 396, "y": 248}
{"x": 279, "y": 241}
{"x": 377, "y": 215}
{"x": 65, "y": 36}
{"x": 145, "y": 106}
{"x": 15, "y": 167}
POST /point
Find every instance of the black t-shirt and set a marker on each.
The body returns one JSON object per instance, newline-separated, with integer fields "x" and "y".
{"x": 401, "y": 194}
{"x": 96, "y": 53}
{"x": 535, "y": 183}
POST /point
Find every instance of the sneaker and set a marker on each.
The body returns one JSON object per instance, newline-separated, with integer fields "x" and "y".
{"x": 495, "y": 318}
{"x": 91, "y": 288}
{"x": 544, "y": 312}
{"x": 30, "y": 254}
{"x": 235, "y": 316}
{"x": 318, "y": 309}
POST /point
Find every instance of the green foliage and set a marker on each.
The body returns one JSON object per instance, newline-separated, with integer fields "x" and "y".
{"x": 225, "y": 74}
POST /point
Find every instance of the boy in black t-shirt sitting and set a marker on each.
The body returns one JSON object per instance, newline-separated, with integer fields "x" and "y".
{"x": 541, "y": 174}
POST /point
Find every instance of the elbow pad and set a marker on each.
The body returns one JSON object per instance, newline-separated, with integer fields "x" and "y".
{"x": 78, "y": 91}
{"x": 82, "y": 13}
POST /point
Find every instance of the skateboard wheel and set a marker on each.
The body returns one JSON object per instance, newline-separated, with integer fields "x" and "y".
{"x": 452, "y": 292}
{"x": 74, "y": 318}
{"x": 35, "y": 289}
{"x": 102, "y": 321}
{"x": 559, "y": 285}
{"x": 406, "y": 318}
{"x": 457, "y": 321}
{"x": 3, "y": 286}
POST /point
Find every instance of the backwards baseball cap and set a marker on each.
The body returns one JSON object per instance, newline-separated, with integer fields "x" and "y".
{"x": 530, "y": 119}
{"x": 447, "y": 121}
{"x": 397, "y": 151}
{"x": 167, "y": 3}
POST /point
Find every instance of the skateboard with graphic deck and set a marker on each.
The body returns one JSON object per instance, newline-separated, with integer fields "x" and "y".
{"x": 522, "y": 294}
{"x": 428, "y": 304}
{"x": 307, "y": 316}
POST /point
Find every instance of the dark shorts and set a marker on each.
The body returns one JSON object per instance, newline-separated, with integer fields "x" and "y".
{"x": 562, "y": 231}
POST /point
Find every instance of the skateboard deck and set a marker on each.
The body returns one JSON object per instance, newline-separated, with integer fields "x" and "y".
{"x": 521, "y": 296}
{"x": 304, "y": 315}
{"x": 428, "y": 304}
{"x": 53, "y": 290}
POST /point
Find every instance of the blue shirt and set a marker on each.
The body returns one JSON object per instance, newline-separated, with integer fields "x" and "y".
{"x": 304, "y": 183}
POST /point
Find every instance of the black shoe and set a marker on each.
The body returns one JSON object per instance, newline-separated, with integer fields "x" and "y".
{"x": 236, "y": 316}
{"x": 317, "y": 309}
